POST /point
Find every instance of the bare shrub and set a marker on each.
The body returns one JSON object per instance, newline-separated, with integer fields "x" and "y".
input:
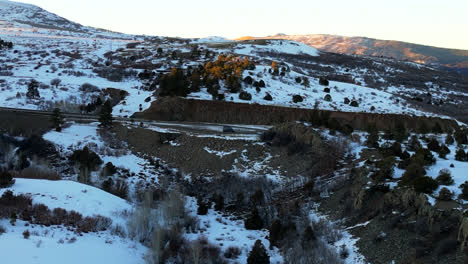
{"x": 26, "y": 234}
{"x": 232, "y": 252}
{"x": 320, "y": 253}
{"x": 89, "y": 88}
{"x": 38, "y": 172}
{"x": 142, "y": 222}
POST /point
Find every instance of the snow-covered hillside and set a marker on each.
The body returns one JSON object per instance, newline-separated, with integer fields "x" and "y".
{"x": 275, "y": 46}
{"x": 282, "y": 90}
{"x": 57, "y": 244}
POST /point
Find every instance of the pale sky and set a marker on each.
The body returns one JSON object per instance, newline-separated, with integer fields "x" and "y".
{"x": 430, "y": 22}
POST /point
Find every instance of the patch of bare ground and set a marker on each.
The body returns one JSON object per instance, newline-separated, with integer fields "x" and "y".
{"x": 206, "y": 156}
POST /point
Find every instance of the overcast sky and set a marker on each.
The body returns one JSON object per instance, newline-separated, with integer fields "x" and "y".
{"x": 429, "y": 22}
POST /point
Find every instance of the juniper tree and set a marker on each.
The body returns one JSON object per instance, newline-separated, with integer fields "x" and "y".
{"x": 57, "y": 120}
{"x": 33, "y": 91}
{"x": 105, "y": 117}
{"x": 305, "y": 82}
{"x": 258, "y": 254}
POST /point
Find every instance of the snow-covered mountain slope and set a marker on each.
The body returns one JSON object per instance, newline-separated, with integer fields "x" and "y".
{"x": 286, "y": 47}
{"x": 35, "y": 16}
{"x": 28, "y": 18}
{"x": 373, "y": 47}
{"x": 111, "y": 60}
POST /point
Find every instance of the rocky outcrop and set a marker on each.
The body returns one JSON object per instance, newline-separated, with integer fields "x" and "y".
{"x": 178, "y": 109}
{"x": 463, "y": 233}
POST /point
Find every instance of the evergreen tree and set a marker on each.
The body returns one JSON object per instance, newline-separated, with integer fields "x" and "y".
{"x": 444, "y": 151}
{"x": 400, "y": 133}
{"x": 105, "y": 117}
{"x": 276, "y": 233}
{"x": 258, "y": 254}
{"x": 33, "y": 91}
{"x": 195, "y": 81}
{"x": 174, "y": 84}
{"x": 202, "y": 207}
{"x": 460, "y": 155}
{"x": 461, "y": 137}
{"x": 373, "y": 137}
{"x": 57, "y": 120}
{"x": 305, "y": 82}
{"x": 219, "y": 202}
{"x": 254, "y": 221}
{"x": 308, "y": 237}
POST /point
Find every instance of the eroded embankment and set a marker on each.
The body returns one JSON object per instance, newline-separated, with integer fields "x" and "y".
{"x": 178, "y": 109}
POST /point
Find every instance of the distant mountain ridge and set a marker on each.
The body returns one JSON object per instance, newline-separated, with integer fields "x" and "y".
{"x": 452, "y": 58}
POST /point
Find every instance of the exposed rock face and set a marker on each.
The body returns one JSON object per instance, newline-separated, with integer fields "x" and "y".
{"x": 177, "y": 109}
{"x": 463, "y": 233}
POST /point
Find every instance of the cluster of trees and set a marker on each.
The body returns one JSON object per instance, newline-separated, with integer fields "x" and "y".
{"x": 5, "y": 44}
{"x": 229, "y": 69}
{"x": 414, "y": 165}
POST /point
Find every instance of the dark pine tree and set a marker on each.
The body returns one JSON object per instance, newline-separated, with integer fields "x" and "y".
{"x": 105, "y": 117}
{"x": 33, "y": 92}
{"x": 254, "y": 221}
{"x": 258, "y": 254}
{"x": 57, "y": 120}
